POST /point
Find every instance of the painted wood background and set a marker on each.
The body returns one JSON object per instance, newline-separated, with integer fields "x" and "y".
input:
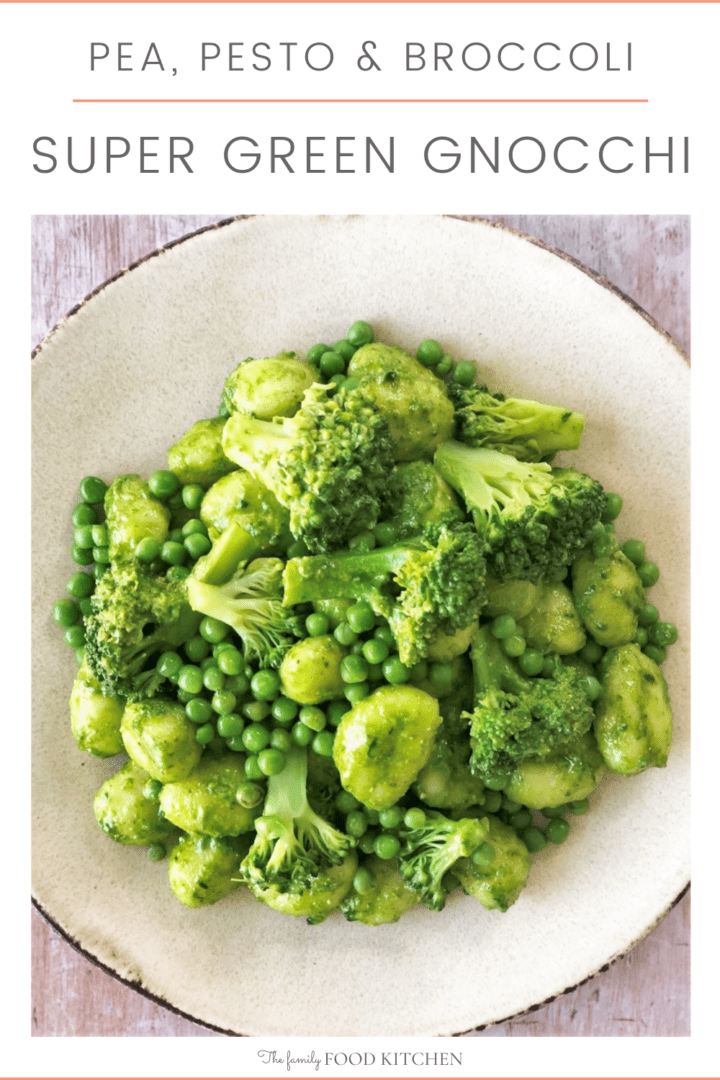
{"x": 647, "y": 992}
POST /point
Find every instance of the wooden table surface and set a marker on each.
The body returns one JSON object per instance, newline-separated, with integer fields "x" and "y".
{"x": 646, "y": 992}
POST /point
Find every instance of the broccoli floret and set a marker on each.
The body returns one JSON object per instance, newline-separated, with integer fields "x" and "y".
{"x": 534, "y": 519}
{"x": 136, "y": 615}
{"x": 431, "y": 583}
{"x": 328, "y": 464}
{"x": 428, "y": 852}
{"x": 294, "y": 848}
{"x": 528, "y": 430}
{"x": 418, "y": 496}
{"x": 251, "y": 602}
{"x": 517, "y": 717}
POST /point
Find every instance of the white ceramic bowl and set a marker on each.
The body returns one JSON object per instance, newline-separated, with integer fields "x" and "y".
{"x": 132, "y": 368}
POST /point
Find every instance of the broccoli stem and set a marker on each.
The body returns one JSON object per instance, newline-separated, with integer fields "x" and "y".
{"x": 348, "y": 574}
{"x": 492, "y": 668}
{"x": 233, "y": 546}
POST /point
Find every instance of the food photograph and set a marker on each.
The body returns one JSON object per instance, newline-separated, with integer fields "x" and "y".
{"x": 361, "y": 629}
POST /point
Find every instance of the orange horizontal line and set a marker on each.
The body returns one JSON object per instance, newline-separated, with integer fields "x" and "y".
{"x": 360, "y": 101}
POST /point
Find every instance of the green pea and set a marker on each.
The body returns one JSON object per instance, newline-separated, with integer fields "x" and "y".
{"x": 355, "y": 692}
{"x": 313, "y": 717}
{"x": 492, "y": 801}
{"x": 255, "y": 738}
{"x": 249, "y": 794}
{"x": 213, "y": 678}
{"x": 445, "y": 365}
{"x": 634, "y": 550}
{"x": 384, "y": 633}
{"x": 252, "y": 768}
{"x": 465, "y": 373}
{"x": 484, "y": 855}
{"x": 230, "y": 725}
{"x": 366, "y": 843}
{"x": 238, "y": 685}
{"x": 335, "y": 712}
{"x": 591, "y": 686}
{"x": 657, "y": 653}
{"x": 429, "y": 352}
{"x": 199, "y": 710}
{"x": 163, "y": 484}
{"x": 205, "y": 734}
{"x": 579, "y": 806}
{"x": 265, "y": 685}
{"x": 284, "y": 710}
{"x": 81, "y": 556}
{"x": 297, "y": 550}
{"x": 649, "y": 614}
{"x": 302, "y": 735}
{"x": 345, "y": 349}
{"x": 663, "y": 633}
{"x": 197, "y": 545}
{"x": 256, "y": 711}
{"x": 360, "y": 333}
{"x": 271, "y": 761}
{"x": 363, "y": 882}
{"x": 345, "y": 802}
{"x": 190, "y": 679}
{"x": 414, "y": 818}
{"x": 331, "y": 363}
{"x": 531, "y": 661}
{"x": 534, "y": 839}
{"x": 521, "y": 820}
{"x": 173, "y": 553}
{"x": 281, "y": 739}
{"x": 591, "y": 652}
{"x": 557, "y": 830}
{"x": 317, "y": 624}
{"x": 196, "y": 649}
{"x": 75, "y": 636}
{"x": 514, "y": 645}
{"x": 356, "y": 824}
{"x": 395, "y": 671}
{"x": 224, "y": 701}
{"x": 363, "y": 541}
{"x": 353, "y": 669}
{"x": 82, "y": 536}
{"x": 193, "y": 526}
{"x": 314, "y": 353}
{"x": 344, "y": 634}
{"x": 230, "y": 660}
{"x": 386, "y": 846}
{"x": 92, "y": 489}
{"x": 66, "y": 613}
{"x": 192, "y": 496}
{"x": 156, "y": 852}
{"x": 84, "y": 514}
{"x": 323, "y": 743}
{"x": 553, "y": 811}
{"x": 385, "y": 533}
{"x": 648, "y": 573}
{"x": 641, "y": 637}
{"x": 391, "y": 817}
{"x": 503, "y": 626}
{"x": 613, "y": 506}
{"x": 360, "y": 616}
{"x": 169, "y": 665}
